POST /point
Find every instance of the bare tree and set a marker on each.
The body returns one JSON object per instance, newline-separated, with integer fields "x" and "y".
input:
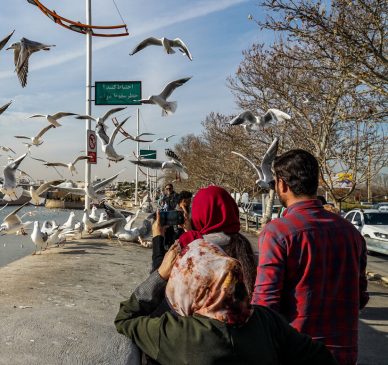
{"x": 330, "y": 118}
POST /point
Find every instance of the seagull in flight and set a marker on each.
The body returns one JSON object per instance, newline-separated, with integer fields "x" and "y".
{"x": 252, "y": 122}
{"x": 7, "y": 149}
{"x": 4, "y": 41}
{"x": 37, "y": 140}
{"x": 165, "y": 139}
{"x": 12, "y": 223}
{"x": 107, "y": 142}
{"x": 101, "y": 120}
{"x": 9, "y": 188}
{"x": 5, "y": 107}
{"x": 70, "y": 165}
{"x": 161, "y": 165}
{"x": 53, "y": 119}
{"x": 90, "y": 190}
{"x": 168, "y": 107}
{"x": 35, "y": 194}
{"x": 137, "y": 138}
{"x": 168, "y": 45}
{"x": 264, "y": 172}
{"x": 22, "y": 52}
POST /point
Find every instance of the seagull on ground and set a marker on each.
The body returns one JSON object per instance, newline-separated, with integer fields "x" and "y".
{"x": 35, "y": 194}
{"x": 53, "y": 118}
{"x": 22, "y": 52}
{"x": 101, "y": 120}
{"x": 90, "y": 190}
{"x": 168, "y": 107}
{"x": 12, "y": 223}
{"x": 37, "y": 140}
{"x": 5, "y": 107}
{"x": 4, "y": 41}
{"x": 165, "y": 139}
{"x": 70, "y": 165}
{"x": 264, "y": 171}
{"x": 107, "y": 143}
{"x": 252, "y": 122}
{"x": 168, "y": 45}
{"x": 9, "y": 188}
{"x": 7, "y": 149}
{"x": 39, "y": 238}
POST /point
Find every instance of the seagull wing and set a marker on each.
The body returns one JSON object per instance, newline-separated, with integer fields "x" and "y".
{"x": 86, "y": 117}
{"x": 243, "y": 118}
{"x": 75, "y": 191}
{"x": 257, "y": 169}
{"x": 44, "y": 187}
{"x": 5, "y": 107}
{"x": 151, "y": 41}
{"x": 101, "y": 133}
{"x": 10, "y": 169}
{"x": 52, "y": 164}
{"x": 168, "y": 137}
{"x": 5, "y": 40}
{"x": 38, "y": 159}
{"x": 126, "y": 138}
{"x": 157, "y": 139}
{"x": 146, "y": 101}
{"x": 146, "y": 134}
{"x": 268, "y": 158}
{"x": 62, "y": 114}
{"x": 24, "y": 137}
{"x": 169, "y": 88}
{"x": 152, "y": 164}
{"x": 98, "y": 186}
{"x": 110, "y": 112}
{"x": 105, "y": 224}
{"x": 79, "y": 158}
{"x": 44, "y": 130}
{"x": 37, "y": 116}
{"x": 177, "y": 42}
{"x": 278, "y": 115}
{"x": 22, "y": 73}
{"x": 12, "y": 217}
{"x": 116, "y": 130}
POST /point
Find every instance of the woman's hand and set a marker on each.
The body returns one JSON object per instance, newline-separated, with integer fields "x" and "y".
{"x": 157, "y": 228}
{"x": 169, "y": 260}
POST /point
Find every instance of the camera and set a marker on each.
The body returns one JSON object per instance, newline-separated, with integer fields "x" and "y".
{"x": 171, "y": 218}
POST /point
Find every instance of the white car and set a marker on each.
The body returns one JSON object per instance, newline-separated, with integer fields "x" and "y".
{"x": 372, "y": 223}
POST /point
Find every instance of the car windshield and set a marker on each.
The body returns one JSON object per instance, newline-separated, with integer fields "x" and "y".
{"x": 376, "y": 219}
{"x": 256, "y": 207}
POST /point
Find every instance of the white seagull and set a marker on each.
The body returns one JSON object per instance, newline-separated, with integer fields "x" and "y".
{"x": 35, "y": 194}
{"x": 53, "y": 118}
{"x": 107, "y": 142}
{"x": 165, "y": 139}
{"x": 39, "y": 238}
{"x": 101, "y": 120}
{"x": 137, "y": 138}
{"x": 168, "y": 45}
{"x": 168, "y": 107}
{"x": 264, "y": 171}
{"x": 70, "y": 165}
{"x": 4, "y": 41}
{"x": 5, "y": 107}
{"x": 252, "y": 122}
{"x": 22, "y": 52}
{"x": 90, "y": 190}
{"x": 7, "y": 149}
{"x": 12, "y": 223}
{"x": 161, "y": 165}
{"x": 37, "y": 140}
{"x": 9, "y": 188}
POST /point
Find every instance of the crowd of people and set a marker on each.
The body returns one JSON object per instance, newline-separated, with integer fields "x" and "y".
{"x": 209, "y": 301}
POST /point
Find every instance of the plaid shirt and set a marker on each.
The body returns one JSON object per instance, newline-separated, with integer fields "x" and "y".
{"x": 311, "y": 269}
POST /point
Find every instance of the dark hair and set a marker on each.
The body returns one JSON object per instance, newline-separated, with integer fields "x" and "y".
{"x": 169, "y": 185}
{"x": 322, "y": 199}
{"x": 240, "y": 249}
{"x": 184, "y": 194}
{"x": 299, "y": 170}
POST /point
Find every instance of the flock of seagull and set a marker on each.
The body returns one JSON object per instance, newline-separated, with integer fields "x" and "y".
{"x": 112, "y": 221}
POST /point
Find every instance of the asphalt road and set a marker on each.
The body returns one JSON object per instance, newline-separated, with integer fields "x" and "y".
{"x": 378, "y": 263}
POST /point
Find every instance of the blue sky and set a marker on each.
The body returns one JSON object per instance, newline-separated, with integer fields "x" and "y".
{"x": 216, "y": 31}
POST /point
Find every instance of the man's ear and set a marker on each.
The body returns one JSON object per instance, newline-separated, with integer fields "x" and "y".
{"x": 283, "y": 186}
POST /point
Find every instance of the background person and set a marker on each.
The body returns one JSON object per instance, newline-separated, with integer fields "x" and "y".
{"x": 312, "y": 262}
{"x": 202, "y": 333}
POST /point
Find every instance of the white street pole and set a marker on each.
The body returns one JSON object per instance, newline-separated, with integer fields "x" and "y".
{"x": 137, "y": 154}
{"x": 88, "y": 92}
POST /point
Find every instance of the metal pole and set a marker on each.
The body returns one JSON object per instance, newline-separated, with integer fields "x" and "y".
{"x": 137, "y": 154}
{"x": 88, "y": 92}
{"x": 148, "y": 174}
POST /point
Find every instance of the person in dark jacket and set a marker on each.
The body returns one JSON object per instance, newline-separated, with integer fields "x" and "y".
{"x": 213, "y": 322}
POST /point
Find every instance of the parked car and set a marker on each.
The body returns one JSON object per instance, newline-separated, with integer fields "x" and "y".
{"x": 254, "y": 209}
{"x": 373, "y": 224}
{"x": 381, "y": 206}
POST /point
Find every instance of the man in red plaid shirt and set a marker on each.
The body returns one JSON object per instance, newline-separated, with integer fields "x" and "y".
{"x": 312, "y": 262}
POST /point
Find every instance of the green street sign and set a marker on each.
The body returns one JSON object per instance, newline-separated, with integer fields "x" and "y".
{"x": 148, "y": 154}
{"x": 117, "y": 93}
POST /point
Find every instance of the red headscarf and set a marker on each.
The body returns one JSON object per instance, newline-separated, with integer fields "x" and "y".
{"x": 213, "y": 210}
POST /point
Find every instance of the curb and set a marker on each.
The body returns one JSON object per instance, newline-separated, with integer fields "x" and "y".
{"x": 377, "y": 277}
